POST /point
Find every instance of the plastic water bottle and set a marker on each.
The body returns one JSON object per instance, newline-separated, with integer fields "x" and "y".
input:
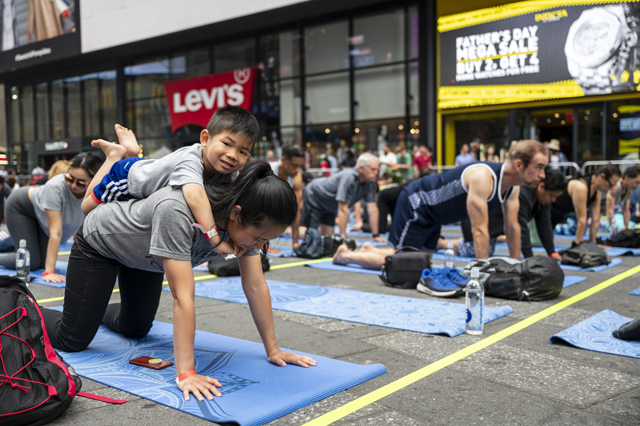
{"x": 474, "y": 300}
{"x": 449, "y": 256}
{"x": 23, "y": 262}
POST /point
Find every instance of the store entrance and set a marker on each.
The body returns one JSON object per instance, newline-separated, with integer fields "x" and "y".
{"x": 551, "y": 124}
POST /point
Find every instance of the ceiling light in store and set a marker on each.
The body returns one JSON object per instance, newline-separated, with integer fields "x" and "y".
{"x": 417, "y": 131}
{"x": 588, "y": 112}
{"x": 412, "y": 131}
{"x": 356, "y": 130}
{"x": 563, "y": 122}
{"x": 556, "y": 115}
{"x": 586, "y": 117}
{"x": 14, "y": 97}
{"x": 615, "y": 115}
{"x": 548, "y": 120}
{"x": 264, "y": 138}
{"x": 327, "y": 130}
{"x": 601, "y": 114}
{"x": 308, "y": 144}
{"x": 400, "y": 127}
{"x": 416, "y": 123}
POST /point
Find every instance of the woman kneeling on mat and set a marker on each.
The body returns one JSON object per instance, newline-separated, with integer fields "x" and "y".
{"x": 137, "y": 241}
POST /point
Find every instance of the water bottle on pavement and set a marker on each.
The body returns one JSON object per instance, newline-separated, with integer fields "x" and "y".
{"x": 23, "y": 262}
{"x": 449, "y": 256}
{"x": 474, "y": 301}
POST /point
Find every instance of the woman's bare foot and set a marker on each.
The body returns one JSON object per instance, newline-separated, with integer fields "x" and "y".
{"x": 340, "y": 257}
{"x": 128, "y": 140}
{"x": 113, "y": 151}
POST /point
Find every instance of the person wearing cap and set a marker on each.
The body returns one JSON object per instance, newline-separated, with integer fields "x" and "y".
{"x": 555, "y": 155}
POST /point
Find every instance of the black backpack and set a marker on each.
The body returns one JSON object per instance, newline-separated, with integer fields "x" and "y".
{"x": 316, "y": 246}
{"x": 585, "y": 255}
{"x": 533, "y": 279}
{"x": 224, "y": 267}
{"x": 404, "y": 268}
{"x": 629, "y": 238}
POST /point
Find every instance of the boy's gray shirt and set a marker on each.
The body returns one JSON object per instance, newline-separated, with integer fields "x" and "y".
{"x": 139, "y": 233}
{"x": 56, "y": 195}
{"x": 176, "y": 169}
{"x": 344, "y": 186}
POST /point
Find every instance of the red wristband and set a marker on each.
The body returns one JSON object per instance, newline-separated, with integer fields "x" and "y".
{"x": 48, "y": 273}
{"x": 186, "y": 374}
{"x": 551, "y": 255}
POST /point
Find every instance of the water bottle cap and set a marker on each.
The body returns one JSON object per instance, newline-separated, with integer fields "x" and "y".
{"x": 475, "y": 272}
{"x": 450, "y": 244}
{"x": 23, "y": 243}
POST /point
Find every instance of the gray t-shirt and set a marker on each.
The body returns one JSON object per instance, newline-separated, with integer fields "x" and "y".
{"x": 139, "y": 233}
{"x": 176, "y": 169}
{"x": 343, "y": 186}
{"x": 619, "y": 199}
{"x": 56, "y": 195}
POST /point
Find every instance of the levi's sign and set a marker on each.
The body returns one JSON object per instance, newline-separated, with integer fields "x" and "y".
{"x": 194, "y": 100}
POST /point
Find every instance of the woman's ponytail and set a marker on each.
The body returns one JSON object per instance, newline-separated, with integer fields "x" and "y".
{"x": 262, "y": 196}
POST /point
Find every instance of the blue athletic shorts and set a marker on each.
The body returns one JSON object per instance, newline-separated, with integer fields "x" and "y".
{"x": 410, "y": 228}
{"x": 113, "y": 186}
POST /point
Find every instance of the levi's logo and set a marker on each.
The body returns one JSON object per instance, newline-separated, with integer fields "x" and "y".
{"x": 220, "y": 96}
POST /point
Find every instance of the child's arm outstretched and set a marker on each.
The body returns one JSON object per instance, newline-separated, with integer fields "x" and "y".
{"x": 198, "y": 203}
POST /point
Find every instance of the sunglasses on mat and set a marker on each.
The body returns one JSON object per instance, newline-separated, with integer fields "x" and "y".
{"x": 81, "y": 184}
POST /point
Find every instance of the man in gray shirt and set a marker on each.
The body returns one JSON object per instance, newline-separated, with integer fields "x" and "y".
{"x": 325, "y": 197}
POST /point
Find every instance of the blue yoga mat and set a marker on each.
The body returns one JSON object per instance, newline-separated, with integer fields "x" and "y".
{"x": 570, "y": 280}
{"x": 254, "y": 391}
{"x": 635, "y": 292}
{"x": 36, "y": 276}
{"x": 403, "y": 313}
{"x": 351, "y": 267}
{"x": 614, "y": 262}
{"x": 594, "y": 334}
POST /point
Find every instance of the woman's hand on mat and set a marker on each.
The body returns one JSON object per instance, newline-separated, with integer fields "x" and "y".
{"x": 282, "y": 358}
{"x": 54, "y": 278}
{"x": 556, "y": 256}
{"x": 200, "y": 385}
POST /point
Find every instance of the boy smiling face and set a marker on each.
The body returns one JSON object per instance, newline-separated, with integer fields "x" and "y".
{"x": 225, "y": 152}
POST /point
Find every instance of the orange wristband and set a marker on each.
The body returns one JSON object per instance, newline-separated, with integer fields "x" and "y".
{"x": 185, "y": 375}
{"x": 48, "y": 273}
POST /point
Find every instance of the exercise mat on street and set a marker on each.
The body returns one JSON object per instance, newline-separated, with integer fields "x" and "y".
{"x": 36, "y": 276}
{"x": 594, "y": 334}
{"x": 614, "y": 262}
{"x": 254, "y": 391}
{"x": 382, "y": 310}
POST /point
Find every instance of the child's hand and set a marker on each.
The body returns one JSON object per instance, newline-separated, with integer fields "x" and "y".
{"x": 225, "y": 248}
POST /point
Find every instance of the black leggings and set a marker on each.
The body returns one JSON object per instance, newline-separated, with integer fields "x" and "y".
{"x": 91, "y": 278}
{"x": 386, "y": 202}
{"x": 23, "y": 225}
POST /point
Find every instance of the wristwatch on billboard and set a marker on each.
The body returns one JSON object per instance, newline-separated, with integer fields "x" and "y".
{"x": 598, "y": 47}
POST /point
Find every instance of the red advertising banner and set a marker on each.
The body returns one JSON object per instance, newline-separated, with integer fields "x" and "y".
{"x": 194, "y": 100}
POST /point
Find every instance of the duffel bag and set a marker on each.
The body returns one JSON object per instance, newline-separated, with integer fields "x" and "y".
{"x": 404, "y": 268}
{"x": 585, "y": 255}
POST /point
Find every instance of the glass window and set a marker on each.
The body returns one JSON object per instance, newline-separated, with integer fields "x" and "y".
{"x": 74, "y": 107}
{"x": 28, "y": 118}
{"x": 193, "y": 63}
{"x": 326, "y": 47}
{"x": 590, "y": 133}
{"x": 325, "y": 137}
{"x": 291, "y": 135}
{"x": 57, "y": 108}
{"x": 290, "y": 102}
{"x": 269, "y": 57}
{"x": 414, "y": 88}
{"x": 327, "y": 98}
{"x": 375, "y": 134}
{"x": 91, "y": 106}
{"x": 16, "y": 128}
{"x": 289, "y": 52}
{"x": 146, "y": 79}
{"x": 233, "y": 55}
{"x": 378, "y": 39}
{"x": 491, "y": 127}
{"x": 107, "y": 102}
{"x": 413, "y": 36}
{"x": 42, "y": 105}
{"x": 623, "y": 128}
{"x": 148, "y": 118}
{"x": 380, "y": 92}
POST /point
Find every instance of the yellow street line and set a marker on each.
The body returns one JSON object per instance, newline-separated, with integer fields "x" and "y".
{"x": 407, "y": 380}
{"x": 63, "y": 253}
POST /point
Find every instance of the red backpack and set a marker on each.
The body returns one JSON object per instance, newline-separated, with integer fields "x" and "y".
{"x": 36, "y": 386}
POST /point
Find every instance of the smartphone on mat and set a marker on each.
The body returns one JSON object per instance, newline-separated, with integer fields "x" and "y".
{"x": 147, "y": 361}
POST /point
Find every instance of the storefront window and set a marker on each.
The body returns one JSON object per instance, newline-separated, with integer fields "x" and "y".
{"x": 74, "y": 108}
{"x": 91, "y": 105}
{"x": 16, "y": 128}
{"x": 291, "y": 135}
{"x": 28, "y": 118}
{"x": 590, "y": 133}
{"x": 492, "y": 128}
{"x": 327, "y": 98}
{"x": 42, "y": 106}
{"x": 375, "y": 134}
{"x": 414, "y": 88}
{"x": 413, "y": 33}
{"x": 623, "y": 125}
{"x": 289, "y": 53}
{"x": 380, "y": 92}
{"x": 107, "y": 102}
{"x": 378, "y": 39}
{"x": 149, "y": 118}
{"x": 57, "y": 107}
{"x": 146, "y": 79}
{"x": 233, "y": 55}
{"x": 290, "y": 103}
{"x": 325, "y": 139}
{"x": 326, "y": 47}
{"x": 193, "y": 63}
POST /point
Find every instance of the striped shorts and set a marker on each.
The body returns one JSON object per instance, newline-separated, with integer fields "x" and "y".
{"x": 114, "y": 185}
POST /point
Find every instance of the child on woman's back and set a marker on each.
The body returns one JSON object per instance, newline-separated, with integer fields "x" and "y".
{"x": 225, "y": 146}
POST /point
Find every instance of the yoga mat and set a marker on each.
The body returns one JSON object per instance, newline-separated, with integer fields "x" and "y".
{"x": 254, "y": 391}
{"x": 36, "y": 276}
{"x": 570, "y": 280}
{"x": 613, "y": 251}
{"x": 403, "y": 313}
{"x": 594, "y": 334}
{"x": 614, "y": 262}
{"x": 635, "y": 292}
{"x": 351, "y": 267}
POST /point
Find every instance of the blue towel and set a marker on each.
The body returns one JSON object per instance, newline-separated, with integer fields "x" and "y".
{"x": 570, "y": 280}
{"x": 614, "y": 262}
{"x": 594, "y": 334}
{"x": 404, "y": 313}
{"x": 635, "y": 292}
{"x": 254, "y": 391}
